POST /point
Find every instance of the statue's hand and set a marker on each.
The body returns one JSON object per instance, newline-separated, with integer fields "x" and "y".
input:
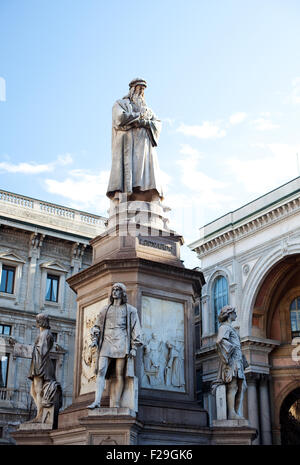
{"x": 132, "y": 353}
{"x": 93, "y": 344}
{"x": 144, "y": 123}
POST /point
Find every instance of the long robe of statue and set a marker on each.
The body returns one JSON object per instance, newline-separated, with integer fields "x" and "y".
{"x": 135, "y": 134}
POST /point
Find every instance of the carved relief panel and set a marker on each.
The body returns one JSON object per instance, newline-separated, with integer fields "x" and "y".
{"x": 89, "y": 355}
{"x": 163, "y": 353}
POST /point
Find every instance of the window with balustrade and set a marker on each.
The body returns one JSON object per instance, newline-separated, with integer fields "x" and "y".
{"x": 295, "y": 317}
{"x": 219, "y": 297}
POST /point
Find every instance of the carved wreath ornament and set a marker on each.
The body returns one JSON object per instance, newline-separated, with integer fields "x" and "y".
{"x": 89, "y": 354}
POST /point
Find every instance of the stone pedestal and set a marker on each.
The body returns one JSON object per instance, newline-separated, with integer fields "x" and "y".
{"x": 232, "y": 432}
{"x": 141, "y": 252}
{"x": 221, "y": 402}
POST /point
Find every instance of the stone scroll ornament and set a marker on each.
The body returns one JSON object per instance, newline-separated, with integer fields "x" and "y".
{"x": 116, "y": 335}
{"x": 45, "y": 390}
{"x": 231, "y": 364}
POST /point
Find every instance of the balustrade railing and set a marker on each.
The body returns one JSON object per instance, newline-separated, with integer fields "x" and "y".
{"x": 7, "y": 394}
{"x": 16, "y": 199}
{"x": 52, "y": 209}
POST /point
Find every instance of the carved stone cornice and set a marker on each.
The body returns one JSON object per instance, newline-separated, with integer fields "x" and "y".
{"x": 239, "y": 231}
{"x": 136, "y": 263}
{"x": 255, "y": 342}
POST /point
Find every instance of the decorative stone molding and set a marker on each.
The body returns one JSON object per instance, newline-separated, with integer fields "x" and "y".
{"x": 246, "y": 269}
{"x": 253, "y": 225}
{"x": 46, "y": 214}
{"x": 35, "y": 244}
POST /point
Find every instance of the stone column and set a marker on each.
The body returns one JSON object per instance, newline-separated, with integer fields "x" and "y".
{"x": 265, "y": 417}
{"x": 35, "y": 244}
{"x": 253, "y": 414}
{"x": 205, "y": 315}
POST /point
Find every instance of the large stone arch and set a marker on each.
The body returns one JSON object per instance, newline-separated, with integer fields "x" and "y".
{"x": 256, "y": 277}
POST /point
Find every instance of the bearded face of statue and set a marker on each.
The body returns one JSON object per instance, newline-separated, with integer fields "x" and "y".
{"x": 137, "y": 96}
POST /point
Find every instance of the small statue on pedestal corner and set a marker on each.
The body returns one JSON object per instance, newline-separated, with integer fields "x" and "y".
{"x": 232, "y": 364}
{"x": 116, "y": 334}
{"x": 45, "y": 390}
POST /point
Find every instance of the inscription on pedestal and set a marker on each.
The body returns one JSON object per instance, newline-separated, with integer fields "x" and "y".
{"x": 157, "y": 245}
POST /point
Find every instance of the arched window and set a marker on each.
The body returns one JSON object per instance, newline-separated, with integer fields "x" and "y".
{"x": 220, "y": 297}
{"x": 295, "y": 317}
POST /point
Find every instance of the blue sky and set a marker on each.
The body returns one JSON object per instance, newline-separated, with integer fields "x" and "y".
{"x": 223, "y": 76}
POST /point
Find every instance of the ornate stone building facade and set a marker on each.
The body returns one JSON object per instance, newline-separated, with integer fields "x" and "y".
{"x": 251, "y": 260}
{"x": 41, "y": 245}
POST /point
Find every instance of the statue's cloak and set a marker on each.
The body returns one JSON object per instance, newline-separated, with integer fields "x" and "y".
{"x": 134, "y": 338}
{"x": 134, "y": 158}
{"x": 232, "y": 361}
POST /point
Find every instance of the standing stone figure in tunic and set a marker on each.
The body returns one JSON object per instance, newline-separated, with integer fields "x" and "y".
{"x": 45, "y": 390}
{"x": 232, "y": 363}
{"x": 135, "y": 134}
{"x": 116, "y": 334}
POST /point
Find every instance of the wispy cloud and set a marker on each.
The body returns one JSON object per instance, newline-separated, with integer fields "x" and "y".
{"x": 294, "y": 96}
{"x": 265, "y": 173}
{"x": 34, "y": 168}
{"x": 237, "y": 118}
{"x": 83, "y": 189}
{"x": 208, "y": 130}
{"x": 169, "y": 121}
{"x": 197, "y": 181}
{"x": 264, "y": 124}
{"x": 186, "y": 149}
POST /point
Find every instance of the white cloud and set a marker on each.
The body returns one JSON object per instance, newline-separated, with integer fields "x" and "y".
{"x": 186, "y": 149}
{"x": 208, "y": 130}
{"x": 34, "y": 168}
{"x": 205, "y": 189}
{"x": 83, "y": 189}
{"x": 265, "y": 173}
{"x": 169, "y": 121}
{"x": 263, "y": 124}
{"x": 295, "y": 96}
{"x": 165, "y": 180}
{"x": 237, "y": 118}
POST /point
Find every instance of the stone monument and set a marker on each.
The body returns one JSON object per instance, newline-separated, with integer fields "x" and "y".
{"x": 136, "y": 273}
{"x": 117, "y": 334}
{"x": 135, "y": 134}
{"x": 230, "y": 385}
{"x": 45, "y": 390}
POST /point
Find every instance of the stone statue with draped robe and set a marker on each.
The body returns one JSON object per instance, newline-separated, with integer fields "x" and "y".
{"x": 135, "y": 134}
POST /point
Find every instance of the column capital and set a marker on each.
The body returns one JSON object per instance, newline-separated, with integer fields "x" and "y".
{"x": 252, "y": 377}
{"x": 264, "y": 378}
{"x": 77, "y": 252}
{"x": 35, "y": 244}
